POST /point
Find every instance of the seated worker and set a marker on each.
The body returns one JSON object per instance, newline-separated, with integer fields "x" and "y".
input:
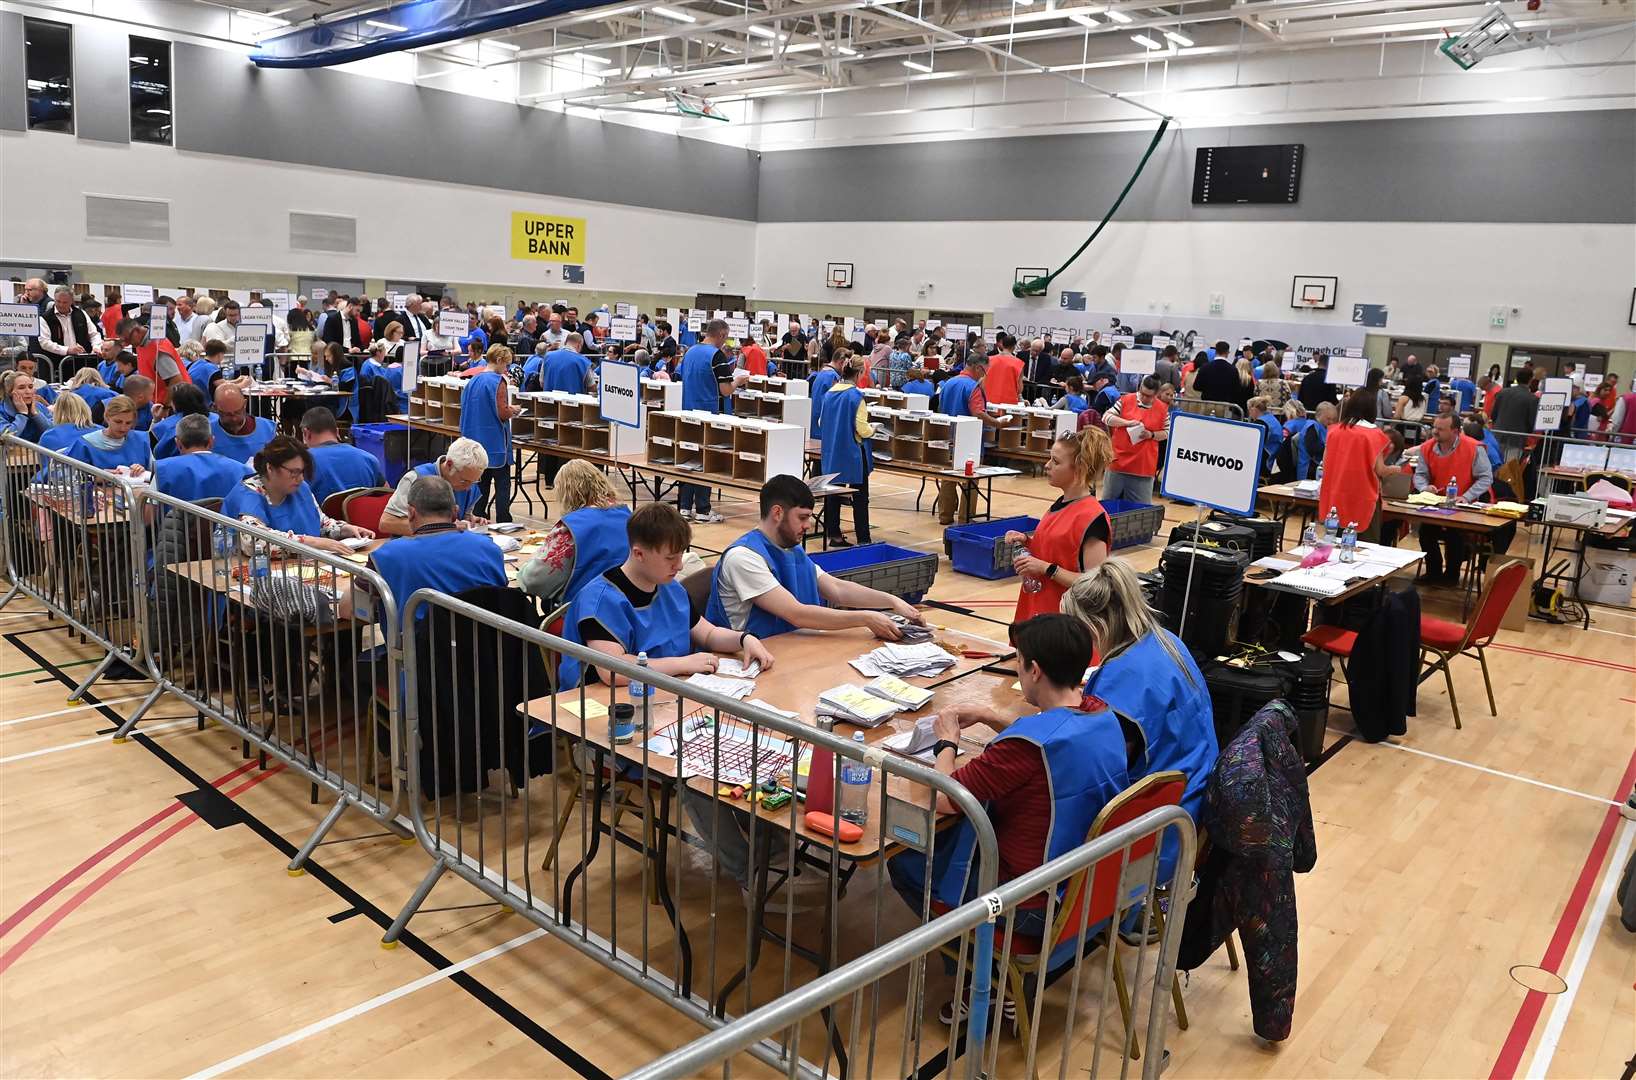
{"x": 462, "y": 465}
{"x": 1450, "y": 456}
{"x": 638, "y": 607}
{"x": 587, "y": 540}
{"x": 139, "y": 388}
{"x": 89, "y": 385}
{"x": 114, "y": 445}
{"x": 185, "y": 400}
{"x": 238, "y": 434}
{"x": 437, "y": 553}
{"x": 337, "y": 466}
{"x": 1104, "y": 395}
{"x": 72, "y": 418}
{"x": 1074, "y": 399}
{"x": 204, "y": 372}
{"x": 194, "y": 472}
{"x": 1044, "y": 779}
{"x": 1261, "y": 411}
{"x": 918, "y": 382}
{"x": 22, "y": 413}
{"x": 28, "y": 364}
{"x": 1308, "y": 436}
{"x": 276, "y": 497}
{"x": 1148, "y": 675}
{"x": 764, "y": 582}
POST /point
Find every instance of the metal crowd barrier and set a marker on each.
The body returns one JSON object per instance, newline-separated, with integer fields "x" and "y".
{"x": 1050, "y": 1008}
{"x": 243, "y": 624}
{"x": 1222, "y": 410}
{"x": 672, "y": 884}
{"x": 67, "y": 528}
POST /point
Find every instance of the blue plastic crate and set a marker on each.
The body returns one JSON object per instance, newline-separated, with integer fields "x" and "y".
{"x": 980, "y": 549}
{"x": 372, "y": 439}
{"x": 1133, "y": 522}
{"x": 899, "y": 571}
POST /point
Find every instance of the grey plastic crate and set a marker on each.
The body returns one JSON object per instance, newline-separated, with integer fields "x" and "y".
{"x": 899, "y": 571}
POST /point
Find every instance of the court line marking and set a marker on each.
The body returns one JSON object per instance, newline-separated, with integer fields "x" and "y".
{"x": 1592, "y": 661}
{"x": 93, "y": 741}
{"x": 1615, "y": 633}
{"x": 1492, "y": 772}
{"x": 1589, "y": 938}
{"x": 336, "y": 1019}
{"x": 71, "y": 709}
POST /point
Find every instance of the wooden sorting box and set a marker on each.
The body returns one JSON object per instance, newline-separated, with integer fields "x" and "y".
{"x": 437, "y": 400}
{"x": 573, "y": 422}
{"x": 744, "y": 448}
{"x": 1036, "y": 429}
{"x": 925, "y": 438}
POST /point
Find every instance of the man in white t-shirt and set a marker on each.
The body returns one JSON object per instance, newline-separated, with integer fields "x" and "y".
{"x": 765, "y": 584}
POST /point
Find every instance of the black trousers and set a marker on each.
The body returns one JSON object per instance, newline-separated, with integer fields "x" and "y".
{"x": 494, "y": 494}
{"x": 860, "y": 512}
{"x": 1435, "y": 540}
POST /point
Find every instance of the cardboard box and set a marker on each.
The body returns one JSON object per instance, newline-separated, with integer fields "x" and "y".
{"x": 1516, "y": 616}
{"x": 1609, "y": 575}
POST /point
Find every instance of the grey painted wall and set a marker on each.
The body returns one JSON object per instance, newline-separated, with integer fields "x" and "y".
{"x": 1553, "y": 167}
{"x": 225, "y": 105}
{"x": 102, "y": 82}
{"x": 13, "y": 103}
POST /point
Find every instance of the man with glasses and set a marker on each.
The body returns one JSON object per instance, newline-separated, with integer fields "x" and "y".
{"x": 238, "y": 435}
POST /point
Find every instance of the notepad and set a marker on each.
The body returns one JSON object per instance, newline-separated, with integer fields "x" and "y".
{"x": 594, "y": 709}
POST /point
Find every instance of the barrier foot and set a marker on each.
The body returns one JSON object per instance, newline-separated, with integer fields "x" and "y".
{"x": 317, "y": 837}
{"x": 124, "y": 731}
{"x": 78, "y": 692}
{"x": 417, "y": 898}
{"x": 6, "y": 599}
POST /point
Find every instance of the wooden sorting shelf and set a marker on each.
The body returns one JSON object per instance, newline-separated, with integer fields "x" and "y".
{"x": 732, "y": 446}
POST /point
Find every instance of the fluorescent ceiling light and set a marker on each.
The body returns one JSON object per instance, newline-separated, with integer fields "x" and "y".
{"x": 1145, "y": 41}
{"x": 1118, "y": 16}
{"x": 672, "y": 13}
{"x": 1183, "y": 41}
{"x": 158, "y": 112}
{"x": 846, "y": 50}
{"x": 1083, "y": 20}
{"x": 805, "y": 46}
{"x": 913, "y": 65}
{"x": 589, "y": 56}
{"x": 270, "y": 20}
{"x": 498, "y": 44}
{"x": 393, "y": 27}
{"x": 759, "y": 31}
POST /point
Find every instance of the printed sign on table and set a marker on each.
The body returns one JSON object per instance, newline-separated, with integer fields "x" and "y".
{"x": 621, "y": 390}
{"x": 1214, "y": 462}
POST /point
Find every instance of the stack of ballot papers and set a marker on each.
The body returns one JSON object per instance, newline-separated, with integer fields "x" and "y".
{"x": 730, "y": 667}
{"x": 913, "y": 632}
{"x": 900, "y": 693}
{"x": 854, "y": 705}
{"x": 904, "y": 661}
{"x": 737, "y": 689}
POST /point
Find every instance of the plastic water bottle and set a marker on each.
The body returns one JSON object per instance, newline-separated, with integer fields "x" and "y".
{"x": 639, "y": 687}
{"x": 1320, "y": 476}
{"x": 1332, "y": 523}
{"x": 855, "y": 778}
{"x": 1452, "y": 494}
{"x": 1309, "y": 536}
{"x": 1349, "y": 543}
{"x": 261, "y": 562}
{"x": 221, "y": 541}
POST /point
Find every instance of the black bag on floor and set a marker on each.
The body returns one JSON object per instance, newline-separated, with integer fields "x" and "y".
{"x": 1266, "y": 533}
{"x": 1238, "y": 693}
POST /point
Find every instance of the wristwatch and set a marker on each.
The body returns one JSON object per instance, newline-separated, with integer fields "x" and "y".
{"x": 1051, "y": 572}
{"x": 944, "y": 744}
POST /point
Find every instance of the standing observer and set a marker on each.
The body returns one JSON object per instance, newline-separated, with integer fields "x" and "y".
{"x": 1354, "y": 463}
{"x": 844, "y": 437}
{"x": 707, "y": 376}
{"x": 1075, "y": 534}
{"x": 485, "y": 417}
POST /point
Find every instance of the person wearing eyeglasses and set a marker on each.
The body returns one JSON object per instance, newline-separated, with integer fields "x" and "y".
{"x": 238, "y": 434}
{"x": 277, "y": 498}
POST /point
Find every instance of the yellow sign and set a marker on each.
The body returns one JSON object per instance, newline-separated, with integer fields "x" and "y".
{"x": 552, "y": 239}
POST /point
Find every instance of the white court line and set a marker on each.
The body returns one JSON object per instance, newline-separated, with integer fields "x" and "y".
{"x": 1589, "y": 938}
{"x": 73, "y": 708}
{"x": 103, "y": 739}
{"x": 1607, "y": 609}
{"x": 1615, "y": 633}
{"x": 361, "y": 1008}
{"x": 1485, "y": 769}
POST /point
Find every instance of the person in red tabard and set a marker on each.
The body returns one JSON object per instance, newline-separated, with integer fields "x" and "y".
{"x": 1003, "y": 384}
{"x": 755, "y": 357}
{"x": 1354, "y": 462}
{"x": 1075, "y": 534}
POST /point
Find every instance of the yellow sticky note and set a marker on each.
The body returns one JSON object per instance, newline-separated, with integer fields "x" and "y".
{"x": 594, "y": 709}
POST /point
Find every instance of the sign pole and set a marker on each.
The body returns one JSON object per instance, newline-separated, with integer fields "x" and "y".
{"x": 1192, "y": 563}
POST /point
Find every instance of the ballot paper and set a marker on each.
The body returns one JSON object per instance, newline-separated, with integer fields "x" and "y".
{"x": 854, "y": 705}
{"x": 905, "y": 660}
{"x": 917, "y": 742}
{"x": 912, "y": 632}
{"x": 737, "y": 689}
{"x": 899, "y": 692}
{"x": 353, "y": 543}
{"x": 505, "y": 543}
{"x": 729, "y": 667}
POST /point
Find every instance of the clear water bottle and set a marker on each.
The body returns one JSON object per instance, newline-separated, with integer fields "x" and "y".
{"x": 221, "y": 542}
{"x": 1332, "y": 523}
{"x": 1309, "y": 536}
{"x": 640, "y": 687}
{"x": 261, "y": 561}
{"x": 1451, "y": 494}
{"x": 1030, "y": 583}
{"x": 1320, "y": 476}
{"x": 1349, "y": 543}
{"x": 855, "y": 778}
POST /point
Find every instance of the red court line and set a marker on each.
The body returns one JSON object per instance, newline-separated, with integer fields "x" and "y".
{"x": 1522, "y": 1028}
{"x": 71, "y": 876}
{"x": 45, "y": 925}
{"x": 1564, "y": 656}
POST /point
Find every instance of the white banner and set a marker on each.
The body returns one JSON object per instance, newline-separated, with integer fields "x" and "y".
{"x": 621, "y": 389}
{"x": 1213, "y": 461}
{"x": 452, "y": 323}
{"x": 20, "y": 319}
{"x": 1347, "y": 370}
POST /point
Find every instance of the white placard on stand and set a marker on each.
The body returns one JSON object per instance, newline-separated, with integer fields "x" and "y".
{"x": 1138, "y": 362}
{"x": 319, "y": 296}
{"x": 136, "y": 294}
{"x": 624, "y": 310}
{"x": 247, "y": 345}
{"x": 621, "y": 388}
{"x": 1347, "y": 371}
{"x": 766, "y": 316}
{"x": 257, "y": 316}
{"x": 22, "y": 320}
{"x": 1214, "y": 462}
{"x": 621, "y": 328}
{"x": 411, "y": 367}
{"x": 1160, "y": 342}
{"x": 8, "y": 291}
{"x": 1557, "y": 384}
{"x": 991, "y": 335}
{"x": 695, "y": 323}
{"x": 954, "y": 332}
{"x": 1551, "y": 404}
{"x": 1459, "y": 367}
{"x": 738, "y": 329}
{"x": 158, "y": 319}
{"x": 452, "y": 323}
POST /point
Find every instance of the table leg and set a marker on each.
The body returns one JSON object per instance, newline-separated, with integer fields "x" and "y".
{"x": 598, "y": 767}
{"x": 665, "y": 898}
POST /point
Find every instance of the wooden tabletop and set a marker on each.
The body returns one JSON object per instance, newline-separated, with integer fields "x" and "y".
{"x": 805, "y": 664}
{"x": 1465, "y": 520}
{"x": 1367, "y": 582}
{"x": 912, "y": 468}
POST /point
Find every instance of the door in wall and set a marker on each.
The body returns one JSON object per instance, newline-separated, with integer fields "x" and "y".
{"x": 305, "y": 286}
{"x": 428, "y": 290}
{"x": 875, "y": 314}
{"x": 1431, "y": 352}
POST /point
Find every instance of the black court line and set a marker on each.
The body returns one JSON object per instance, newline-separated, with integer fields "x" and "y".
{"x": 1331, "y": 751}
{"x": 956, "y": 609}
{"x": 487, "y": 997}
{"x": 88, "y": 697}
{"x": 343, "y": 916}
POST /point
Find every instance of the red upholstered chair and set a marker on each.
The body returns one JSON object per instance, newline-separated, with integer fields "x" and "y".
{"x": 1441, "y": 640}
{"x": 363, "y": 507}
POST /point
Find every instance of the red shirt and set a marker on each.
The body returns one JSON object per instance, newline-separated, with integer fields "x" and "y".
{"x": 1003, "y": 383}
{"x": 112, "y": 315}
{"x": 755, "y": 359}
{"x": 1138, "y": 458}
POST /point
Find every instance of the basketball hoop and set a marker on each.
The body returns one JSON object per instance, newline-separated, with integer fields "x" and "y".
{"x": 838, "y": 275}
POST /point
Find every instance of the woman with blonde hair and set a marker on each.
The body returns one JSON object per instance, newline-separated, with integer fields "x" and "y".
{"x": 1075, "y": 534}
{"x": 1272, "y": 386}
{"x": 588, "y": 539}
{"x": 1146, "y": 673}
{"x": 485, "y": 416}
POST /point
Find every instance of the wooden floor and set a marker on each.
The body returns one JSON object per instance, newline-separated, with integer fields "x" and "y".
{"x": 150, "y": 928}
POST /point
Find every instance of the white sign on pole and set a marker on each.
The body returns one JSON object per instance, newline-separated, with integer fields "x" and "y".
{"x": 622, "y": 329}
{"x": 239, "y": 296}
{"x": 719, "y": 315}
{"x": 452, "y": 323}
{"x": 8, "y": 291}
{"x": 1127, "y": 340}
{"x": 955, "y": 331}
{"x": 738, "y": 329}
{"x": 1214, "y": 462}
{"x": 320, "y": 295}
{"x": 20, "y": 319}
{"x": 1459, "y": 367}
{"x": 765, "y": 316}
{"x": 158, "y": 319}
{"x": 1556, "y": 384}
{"x": 933, "y": 324}
{"x": 1161, "y": 342}
{"x": 1347, "y": 370}
{"x": 991, "y": 335}
{"x": 1551, "y": 404}
{"x": 247, "y": 345}
{"x": 882, "y": 324}
{"x": 621, "y": 389}
{"x": 280, "y": 301}
{"x": 624, "y": 310}
{"x": 411, "y": 367}
{"x": 1290, "y": 359}
{"x": 695, "y": 323}
{"x": 136, "y": 294}
{"x": 1138, "y": 362}
{"x": 1354, "y": 351}
{"x": 257, "y": 316}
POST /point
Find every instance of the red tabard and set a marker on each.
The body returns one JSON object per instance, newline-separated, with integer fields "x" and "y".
{"x": 1058, "y": 539}
{"x": 1458, "y": 464}
{"x": 1350, "y": 484}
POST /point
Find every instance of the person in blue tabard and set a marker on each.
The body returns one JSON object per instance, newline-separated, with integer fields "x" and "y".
{"x": 276, "y": 497}
{"x": 336, "y": 466}
{"x": 22, "y": 413}
{"x": 639, "y": 607}
{"x": 27, "y": 364}
{"x": 205, "y": 371}
{"x": 72, "y": 418}
{"x": 1465, "y": 391}
{"x": 826, "y": 377}
{"x": 1309, "y": 435}
{"x": 1433, "y": 389}
{"x": 1147, "y": 674}
{"x": 185, "y": 400}
{"x": 1261, "y": 411}
{"x": 115, "y": 445}
{"x": 90, "y": 388}
{"x": 485, "y": 417}
{"x": 462, "y": 465}
{"x": 1045, "y": 778}
{"x": 238, "y": 434}
{"x": 587, "y": 540}
{"x": 708, "y": 375}
{"x": 567, "y": 368}
{"x": 534, "y": 366}
{"x": 846, "y": 448}
{"x": 919, "y": 382}
{"x": 1073, "y": 398}
{"x": 437, "y": 553}
{"x": 765, "y": 583}
{"x": 139, "y": 388}
{"x": 194, "y": 473}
